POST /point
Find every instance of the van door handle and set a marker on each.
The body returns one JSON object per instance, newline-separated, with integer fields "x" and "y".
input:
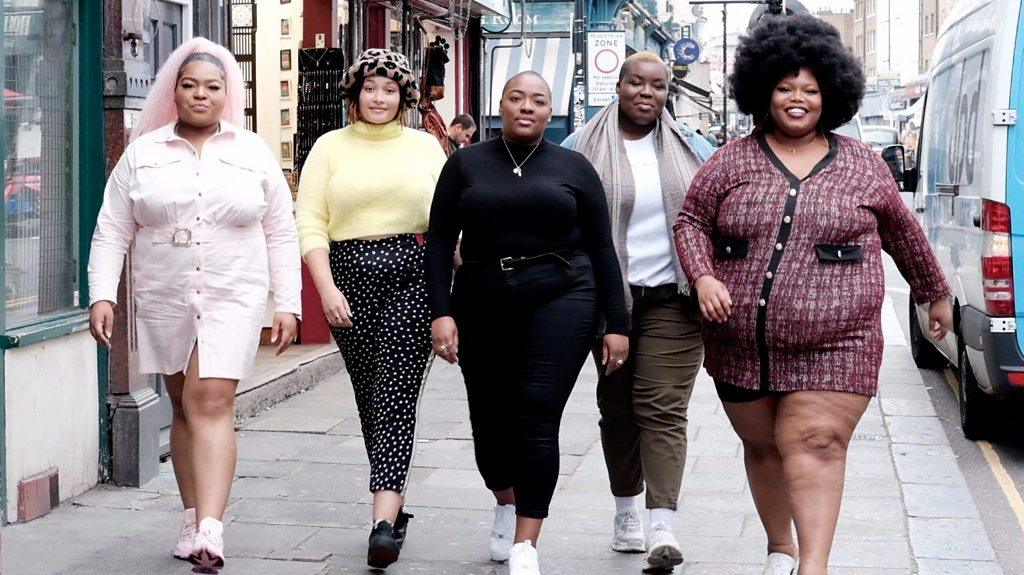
{"x": 947, "y": 189}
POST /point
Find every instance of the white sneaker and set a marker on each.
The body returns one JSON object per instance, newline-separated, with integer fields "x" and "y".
{"x": 503, "y": 532}
{"x": 779, "y": 564}
{"x": 186, "y": 533}
{"x": 663, "y": 549}
{"x": 629, "y": 532}
{"x": 522, "y": 559}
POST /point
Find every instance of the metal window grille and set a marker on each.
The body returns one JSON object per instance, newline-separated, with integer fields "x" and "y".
{"x": 40, "y": 269}
{"x": 243, "y": 46}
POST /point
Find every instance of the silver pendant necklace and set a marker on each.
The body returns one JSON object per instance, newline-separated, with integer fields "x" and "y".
{"x": 518, "y": 170}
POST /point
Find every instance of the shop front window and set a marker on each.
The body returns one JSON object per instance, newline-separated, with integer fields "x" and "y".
{"x": 40, "y": 271}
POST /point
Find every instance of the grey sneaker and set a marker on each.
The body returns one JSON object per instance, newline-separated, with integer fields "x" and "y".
{"x": 629, "y": 533}
{"x": 503, "y": 532}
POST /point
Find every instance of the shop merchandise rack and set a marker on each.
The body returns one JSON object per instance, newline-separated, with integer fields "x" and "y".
{"x": 321, "y": 107}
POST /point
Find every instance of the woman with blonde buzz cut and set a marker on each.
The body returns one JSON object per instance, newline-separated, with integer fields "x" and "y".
{"x": 646, "y": 161}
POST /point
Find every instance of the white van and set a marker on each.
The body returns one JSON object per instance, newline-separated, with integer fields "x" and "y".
{"x": 969, "y": 194}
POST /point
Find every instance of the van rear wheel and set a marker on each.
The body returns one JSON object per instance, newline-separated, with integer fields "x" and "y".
{"x": 975, "y": 405}
{"x": 924, "y": 352}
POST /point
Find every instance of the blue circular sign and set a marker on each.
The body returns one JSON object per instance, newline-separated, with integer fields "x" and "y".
{"x": 686, "y": 51}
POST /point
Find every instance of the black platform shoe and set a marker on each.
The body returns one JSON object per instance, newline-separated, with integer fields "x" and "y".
{"x": 401, "y": 526}
{"x": 383, "y": 549}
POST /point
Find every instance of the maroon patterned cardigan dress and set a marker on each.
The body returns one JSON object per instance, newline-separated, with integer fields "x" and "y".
{"x": 803, "y": 264}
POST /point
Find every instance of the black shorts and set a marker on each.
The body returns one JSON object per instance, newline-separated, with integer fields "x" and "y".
{"x": 730, "y": 393}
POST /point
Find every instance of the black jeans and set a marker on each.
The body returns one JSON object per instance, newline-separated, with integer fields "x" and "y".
{"x": 520, "y": 363}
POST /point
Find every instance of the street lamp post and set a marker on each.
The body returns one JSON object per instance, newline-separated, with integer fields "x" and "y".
{"x": 774, "y": 7}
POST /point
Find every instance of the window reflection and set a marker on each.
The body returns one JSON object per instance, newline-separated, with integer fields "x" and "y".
{"x": 40, "y": 270}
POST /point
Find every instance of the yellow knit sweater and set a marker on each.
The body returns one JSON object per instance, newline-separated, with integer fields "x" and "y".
{"x": 366, "y": 180}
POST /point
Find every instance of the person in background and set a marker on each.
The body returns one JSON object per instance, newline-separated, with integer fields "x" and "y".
{"x": 782, "y": 234}
{"x": 710, "y": 139}
{"x": 363, "y": 204}
{"x": 538, "y": 264}
{"x": 461, "y": 131}
{"x": 646, "y": 161}
{"x": 210, "y": 215}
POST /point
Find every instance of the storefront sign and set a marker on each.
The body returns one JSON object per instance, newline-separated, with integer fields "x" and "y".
{"x": 491, "y": 9}
{"x": 541, "y": 17}
{"x": 605, "y": 53}
{"x": 22, "y": 30}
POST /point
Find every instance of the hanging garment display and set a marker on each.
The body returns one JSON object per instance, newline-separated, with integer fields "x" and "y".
{"x": 435, "y": 56}
{"x": 321, "y": 107}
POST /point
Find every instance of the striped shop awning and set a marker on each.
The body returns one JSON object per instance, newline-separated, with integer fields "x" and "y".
{"x": 550, "y": 57}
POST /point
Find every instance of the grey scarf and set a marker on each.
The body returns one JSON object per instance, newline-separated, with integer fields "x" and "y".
{"x": 601, "y": 143}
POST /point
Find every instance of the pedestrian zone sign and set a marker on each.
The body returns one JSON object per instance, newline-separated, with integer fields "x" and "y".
{"x": 605, "y": 53}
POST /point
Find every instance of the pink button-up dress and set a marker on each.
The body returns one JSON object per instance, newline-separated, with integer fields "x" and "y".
{"x": 213, "y": 234}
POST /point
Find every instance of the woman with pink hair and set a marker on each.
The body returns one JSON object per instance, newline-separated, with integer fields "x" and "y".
{"x": 210, "y": 215}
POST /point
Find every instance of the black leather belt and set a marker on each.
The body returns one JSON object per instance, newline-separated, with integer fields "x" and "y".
{"x": 510, "y": 263}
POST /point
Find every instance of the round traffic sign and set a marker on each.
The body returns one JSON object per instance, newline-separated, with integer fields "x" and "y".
{"x": 686, "y": 51}
{"x": 606, "y": 61}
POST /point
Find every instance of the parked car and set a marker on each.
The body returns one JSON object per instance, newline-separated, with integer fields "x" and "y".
{"x": 21, "y": 188}
{"x": 880, "y": 137}
{"x": 969, "y": 194}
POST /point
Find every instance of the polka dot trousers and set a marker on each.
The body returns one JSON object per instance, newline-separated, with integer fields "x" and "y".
{"x": 387, "y": 349}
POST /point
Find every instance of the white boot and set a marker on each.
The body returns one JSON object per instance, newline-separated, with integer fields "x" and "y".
{"x": 522, "y": 559}
{"x": 503, "y": 532}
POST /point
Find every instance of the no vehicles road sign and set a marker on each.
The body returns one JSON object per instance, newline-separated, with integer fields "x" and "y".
{"x": 605, "y": 53}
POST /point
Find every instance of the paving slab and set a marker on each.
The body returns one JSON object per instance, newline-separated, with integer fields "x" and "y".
{"x": 300, "y": 504}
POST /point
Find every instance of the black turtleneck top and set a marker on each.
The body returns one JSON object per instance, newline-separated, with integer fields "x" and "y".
{"x": 557, "y": 204}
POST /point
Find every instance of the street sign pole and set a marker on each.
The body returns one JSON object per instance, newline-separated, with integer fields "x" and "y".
{"x": 725, "y": 77}
{"x": 578, "y": 111}
{"x": 775, "y": 6}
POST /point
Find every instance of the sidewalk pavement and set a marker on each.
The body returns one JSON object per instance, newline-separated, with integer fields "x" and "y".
{"x": 300, "y": 506}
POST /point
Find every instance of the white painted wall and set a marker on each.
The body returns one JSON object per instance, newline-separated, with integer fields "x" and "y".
{"x": 896, "y": 38}
{"x": 269, "y": 43}
{"x": 52, "y": 414}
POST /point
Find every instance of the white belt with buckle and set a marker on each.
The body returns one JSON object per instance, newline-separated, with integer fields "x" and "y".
{"x": 182, "y": 237}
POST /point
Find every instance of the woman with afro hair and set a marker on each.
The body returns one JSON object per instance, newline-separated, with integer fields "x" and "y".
{"x": 782, "y": 235}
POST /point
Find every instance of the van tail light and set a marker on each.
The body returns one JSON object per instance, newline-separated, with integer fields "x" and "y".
{"x": 996, "y": 260}
{"x": 1016, "y": 378}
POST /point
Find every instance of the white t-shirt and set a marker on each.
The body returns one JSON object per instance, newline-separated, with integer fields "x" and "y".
{"x": 647, "y": 237}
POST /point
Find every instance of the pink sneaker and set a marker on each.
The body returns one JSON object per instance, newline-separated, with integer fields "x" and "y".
{"x": 208, "y": 547}
{"x": 188, "y": 532}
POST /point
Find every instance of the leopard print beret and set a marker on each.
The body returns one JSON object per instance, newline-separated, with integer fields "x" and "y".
{"x": 383, "y": 63}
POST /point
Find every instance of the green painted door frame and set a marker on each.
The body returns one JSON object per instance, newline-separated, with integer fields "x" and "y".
{"x": 92, "y": 176}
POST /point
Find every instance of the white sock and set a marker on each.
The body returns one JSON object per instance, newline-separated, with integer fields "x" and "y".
{"x": 662, "y": 515}
{"x": 623, "y": 504}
